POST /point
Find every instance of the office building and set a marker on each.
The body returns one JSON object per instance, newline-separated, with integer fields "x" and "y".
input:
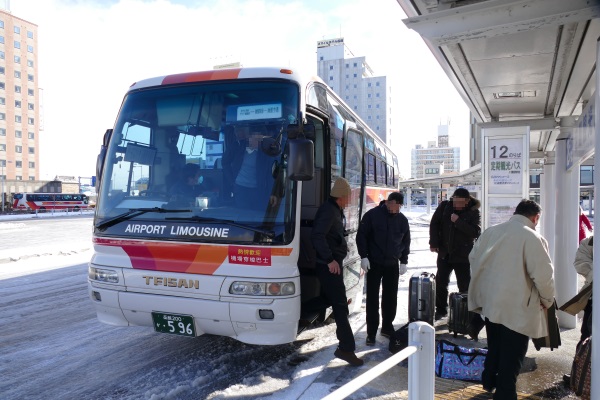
{"x": 19, "y": 99}
{"x": 438, "y": 158}
{"x": 354, "y": 81}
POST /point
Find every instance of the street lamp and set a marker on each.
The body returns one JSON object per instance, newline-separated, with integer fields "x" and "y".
{"x": 3, "y": 179}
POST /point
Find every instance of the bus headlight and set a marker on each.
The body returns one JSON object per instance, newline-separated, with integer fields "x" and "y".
{"x": 103, "y": 275}
{"x": 244, "y": 288}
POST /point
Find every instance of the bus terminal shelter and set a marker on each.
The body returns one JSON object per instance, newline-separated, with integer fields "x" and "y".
{"x": 527, "y": 71}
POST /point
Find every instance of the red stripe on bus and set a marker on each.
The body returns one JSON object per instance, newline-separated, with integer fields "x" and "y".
{"x": 202, "y": 76}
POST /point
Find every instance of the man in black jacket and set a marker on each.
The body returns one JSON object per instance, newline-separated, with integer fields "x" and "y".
{"x": 383, "y": 239}
{"x": 331, "y": 248}
{"x": 454, "y": 227}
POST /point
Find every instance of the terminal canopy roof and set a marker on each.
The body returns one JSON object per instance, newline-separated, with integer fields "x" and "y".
{"x": 514, "y": 60}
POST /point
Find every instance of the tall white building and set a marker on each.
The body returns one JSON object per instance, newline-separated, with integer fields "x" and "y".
{"x": 353, "y": 80}
{"x": 437, "y": 158}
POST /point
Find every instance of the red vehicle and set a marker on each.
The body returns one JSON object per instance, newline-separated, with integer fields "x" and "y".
{"x": 50, "y": 201}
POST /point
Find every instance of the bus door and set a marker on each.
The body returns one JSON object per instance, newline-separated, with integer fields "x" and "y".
{"x": 353, "y": 172}
{"x": 314, "y": 193}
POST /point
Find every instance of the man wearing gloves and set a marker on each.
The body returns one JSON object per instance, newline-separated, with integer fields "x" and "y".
{"x": 331, "y": 248}
{"x": 383, "y": 239}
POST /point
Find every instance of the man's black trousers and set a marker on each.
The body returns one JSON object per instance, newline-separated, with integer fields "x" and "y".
{"x": 506, "y": 352}
{"x": 442, "y": 280}
{"x": 334, "y": 290}
{"x": 386, "y": 277}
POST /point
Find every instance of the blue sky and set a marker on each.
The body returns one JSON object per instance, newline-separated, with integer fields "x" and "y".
{"x": 91, "y": 51}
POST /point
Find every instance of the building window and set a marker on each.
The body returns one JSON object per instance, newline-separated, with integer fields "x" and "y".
{"x": 376, "y": 83}
{"x": 369, "y": 117}
{"x": 30, "y": 106}
{"x": 18, "y": 134}
{"x": 30, "y": 92}
{"x": 19, "y": 178}
{"x": 355, "y": 108}
{"x": 32, "y": 150}
{"x": 18, "y": 74}
{"x": 17, "y": 60}
{"x": 2, "y": 101}
{"x": 377, "y": 106}
{"x": 355, "y": 86}
{"x": 2, "y": 56}
{"x": 17, "y": 44}
{"x": 30, "y": 79}
{"x": 347, "y": 97}
{"x": 2, "y": 39}
{"x": 369, "y": 95}
{"x": 18, "y": 149}
{"x": 30, "y": 135}
{"x": 331, "y": 78}
{"x": 30, "y": 63}
{"x": 17, "y": 30}
{"x": 2, "y": 116}
{"x": 2, "y": 85}
{"x": 321, "y": 59}
{"x": 29, "y": 49}
{"x": 347, "y": 87}
{"x": 30, "y": 34}
{"x": 369, "y": 106}
{"x": 369, "y": 84}
{"x": 355, "y": 65}
{"x": 2, "y": 131}
{"x": 377, "y": 95}
{"x": 2, "y": 163}
{"x": 1, "y": 24}
{"x": 331, "y": 67}
{"x": 31, "y": 164}
{"x": 355, "y": 75}
{"x": 17, "y": 89}
{"x": 32, "y": 178}
{"x": 31, "y": 121}
{"x": 2, "y": 147}
{"x": 2, "y": 70}
{"x": 347, "y": 65}
{"x": 347, "y": 76}
{"x": 17, "y": 118}
{"x": 19, "y": 164}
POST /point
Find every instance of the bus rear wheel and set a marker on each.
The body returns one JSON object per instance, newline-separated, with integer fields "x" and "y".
{"x": 75, "y": 209}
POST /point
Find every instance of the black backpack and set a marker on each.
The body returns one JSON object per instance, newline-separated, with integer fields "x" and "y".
{"x": 399, "y": 340}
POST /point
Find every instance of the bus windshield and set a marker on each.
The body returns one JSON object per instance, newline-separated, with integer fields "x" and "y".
{"x": 201, "y": 162}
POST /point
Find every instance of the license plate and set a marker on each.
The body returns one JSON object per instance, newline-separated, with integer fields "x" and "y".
{"x": 175, "y": 324}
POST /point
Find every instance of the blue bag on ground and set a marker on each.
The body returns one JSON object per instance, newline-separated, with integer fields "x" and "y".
{"x": 457, "y": 362}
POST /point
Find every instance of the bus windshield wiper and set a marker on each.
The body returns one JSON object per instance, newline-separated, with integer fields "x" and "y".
{"x": 197, "y": 218}
{"x": 134, "y": 212}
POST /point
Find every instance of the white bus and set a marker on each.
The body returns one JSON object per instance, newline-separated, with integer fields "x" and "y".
{"x": 43, "y": 202}
{"x": 229, "y": 262}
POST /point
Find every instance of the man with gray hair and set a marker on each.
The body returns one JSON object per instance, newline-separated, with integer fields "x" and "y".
{"x": 383, "y": 241}
{"x": 512, "y": 282}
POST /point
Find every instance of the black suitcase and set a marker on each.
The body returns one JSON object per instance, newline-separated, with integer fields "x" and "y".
{"x": 459, "y": 316}
{"x": 421, "y": 297}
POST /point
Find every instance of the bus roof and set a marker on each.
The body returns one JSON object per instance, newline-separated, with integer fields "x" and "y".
{"x": 219, "y": 74}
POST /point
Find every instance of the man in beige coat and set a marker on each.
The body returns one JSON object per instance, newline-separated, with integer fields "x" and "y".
{"x": 511, "y": 284}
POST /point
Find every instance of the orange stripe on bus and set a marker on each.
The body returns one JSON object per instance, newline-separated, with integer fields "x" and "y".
{"x": 281, "y": 251}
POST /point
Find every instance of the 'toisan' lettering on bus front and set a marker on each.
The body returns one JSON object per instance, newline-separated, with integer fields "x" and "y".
{"x": 172, "y": 282}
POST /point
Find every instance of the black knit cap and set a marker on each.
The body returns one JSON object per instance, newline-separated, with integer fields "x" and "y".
{"x": 462, "y": 193}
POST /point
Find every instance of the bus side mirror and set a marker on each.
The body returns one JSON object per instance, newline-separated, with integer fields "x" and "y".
{"x": 301, "y": 161}
{"x": 101, "y": 157}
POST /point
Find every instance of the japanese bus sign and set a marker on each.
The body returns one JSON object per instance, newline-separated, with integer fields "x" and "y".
{"x": 505, "y": 171}
{"x": 505, "y": 163}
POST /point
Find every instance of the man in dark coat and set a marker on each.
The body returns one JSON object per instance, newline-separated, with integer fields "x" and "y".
{"x": 383, "y": 239}
{"x": 330, "y": 245}
{"x": 454, "y": 227}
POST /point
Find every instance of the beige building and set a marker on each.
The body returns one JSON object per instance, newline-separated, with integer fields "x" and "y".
{"x": 19, "y": 100}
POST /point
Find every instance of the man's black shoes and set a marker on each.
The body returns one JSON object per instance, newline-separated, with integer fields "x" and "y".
{"x": 387, "y": 332}
{"x": 370, "y": 341}
{"x": 349, "y": 357}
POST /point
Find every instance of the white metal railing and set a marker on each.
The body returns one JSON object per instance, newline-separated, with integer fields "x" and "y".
{"x": 421, "y": 366}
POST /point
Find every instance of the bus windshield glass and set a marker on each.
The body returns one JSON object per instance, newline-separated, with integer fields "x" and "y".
{"x": 201, "y": 162}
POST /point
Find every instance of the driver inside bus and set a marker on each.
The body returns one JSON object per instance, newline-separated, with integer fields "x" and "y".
{"x": 189, "y": 186}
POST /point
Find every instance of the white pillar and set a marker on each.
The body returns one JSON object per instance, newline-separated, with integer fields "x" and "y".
{"x": 567, "y": 221}
{"x": 548, "y": 202}
{"x": 595, "y": 378}
{"x": 407, "y": 200}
